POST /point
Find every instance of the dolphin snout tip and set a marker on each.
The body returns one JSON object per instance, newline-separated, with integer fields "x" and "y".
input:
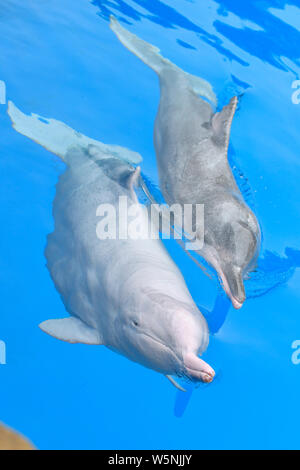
{"x": 209, "y": 375}
{"x": 198, "y": 369}
{"x": 237, "y": 303}
{"x": 208, "y": 378}
{"x": 233, "y": 283}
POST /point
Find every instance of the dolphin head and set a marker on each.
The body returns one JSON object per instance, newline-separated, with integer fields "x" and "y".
{"x": 233, "y": 245}
{"x": 165, "y": 335}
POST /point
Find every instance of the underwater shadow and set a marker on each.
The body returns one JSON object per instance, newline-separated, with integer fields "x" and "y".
{"x": 274, "y": 270}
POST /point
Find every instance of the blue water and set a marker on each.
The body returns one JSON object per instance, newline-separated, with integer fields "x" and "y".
{"x": 59, "y": 59}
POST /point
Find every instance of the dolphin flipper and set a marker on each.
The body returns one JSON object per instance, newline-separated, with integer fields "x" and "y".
{"x": 71, "y": 330}
{"x": 176, "y": 385}
{"x": 151, "y": 56}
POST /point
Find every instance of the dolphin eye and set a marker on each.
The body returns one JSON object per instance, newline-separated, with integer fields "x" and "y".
{"x": 135, "y": 323}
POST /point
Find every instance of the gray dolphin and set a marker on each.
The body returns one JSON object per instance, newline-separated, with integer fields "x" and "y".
{"x": 121, "y": 292}
{"x": 191, "y": 144}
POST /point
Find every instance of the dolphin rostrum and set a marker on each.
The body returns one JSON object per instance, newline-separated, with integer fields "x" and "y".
{"x": 124, "y": 293}
{"x": 191, "y": 144}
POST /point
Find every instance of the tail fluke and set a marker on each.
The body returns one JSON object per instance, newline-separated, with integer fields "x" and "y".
{"x": 151, "y": 56}
{"x": 59, "y": 138}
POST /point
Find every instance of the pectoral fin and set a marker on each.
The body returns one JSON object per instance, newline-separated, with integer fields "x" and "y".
{"x": 176, "y": 385}
{"x": 71, "y": 330}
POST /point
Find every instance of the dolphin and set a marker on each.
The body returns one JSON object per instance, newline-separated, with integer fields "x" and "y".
{"x": 124, "y": 293}
{"x": 191, "y": 143}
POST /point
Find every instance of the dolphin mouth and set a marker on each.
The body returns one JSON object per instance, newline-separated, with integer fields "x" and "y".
{"x": 236, "y": 302}
{"x": 194, "y": 368}
{"x": 198, "y": 370}
{"x": 194, "y": 374}
{"x": 163, "y": 346}
{"x": 231, "y": 279}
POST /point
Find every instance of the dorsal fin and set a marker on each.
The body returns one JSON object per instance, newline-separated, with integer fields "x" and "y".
{"x": 133, "y": 182}
{"x": 134, "y": 178}
{"x": 122, "y": 173}
{"x": 221, "y": 123}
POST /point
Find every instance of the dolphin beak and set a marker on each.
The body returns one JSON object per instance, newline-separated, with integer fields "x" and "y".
{"x": 232, "y": 278}
{"x": 197, "y": 369}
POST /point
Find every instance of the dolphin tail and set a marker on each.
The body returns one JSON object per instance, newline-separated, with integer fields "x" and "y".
{"x": 58, "y": 138}
{"x": 151, "y": 56}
